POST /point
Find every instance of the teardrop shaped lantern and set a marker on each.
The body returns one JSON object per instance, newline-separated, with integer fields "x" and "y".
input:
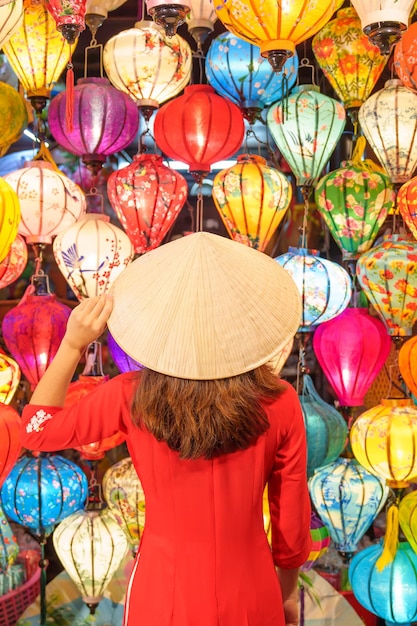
{"x": 10, "y": 216}
{"x": 199, "y": 128}
{"x": 384, "y": 21}
{"x": 14, "y": 118}
{"x": 91, "y": 253}
{"x": 306, "y": 128}
{"x": 407, "y": 204}
{"x": 147, "y": 197}
{"x": 122, "y": 360}
{"x": 9, "y": 548}
{"x": 407, "y": 363}
{"x": 9, "y": 378}
{"x": 10, "y": 447}
{"x": 252, "y": 199}
{"x": 11, "y": 19}
{"x": 407, "y": 517}
{"x": 387, "y": 274}
{"x": 405, "y": 57}
{"x": 351, "y": 350}
{"x": 325, "y": 286}
{"x": 236, "y": 70}
{"x": 13, "y": 265}
{"x": 200, "y": 20}
{"x": 320, "y": 537}
{"x": 388, "y": 121}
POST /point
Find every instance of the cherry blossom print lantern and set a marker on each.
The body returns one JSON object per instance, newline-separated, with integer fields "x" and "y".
{"x": 407, "y": 517}
{"x": 407, "y": 363}
{"x": 13, "y": 265}
{"x": 325, "y": 286}
{"x": 122, "y": 360}
{"x": 10, "y": 216}
{"x": 9, "y": 548}
{"x": 11, "y": 19}
{"x": 147, "y": 197}
{"x": 387, "y": 274}
{"x": 405, "y": 59}
{"x": 407, "y": 204}
{"x": 352, "y": 349}
{"x": 199, "y": 128}
{"x": 91, "y": 253}
{"x": 10, "y": 447}
{"x": 9, "y": 378}
{"x": 13, "y": 118}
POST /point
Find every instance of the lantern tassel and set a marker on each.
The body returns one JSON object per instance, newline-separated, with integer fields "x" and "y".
{"x": 69, "y": 102}
{"x": 390, "y": 540}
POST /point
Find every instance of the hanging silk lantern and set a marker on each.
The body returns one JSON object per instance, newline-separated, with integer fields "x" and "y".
{"x": 252, "y": 199}
{"x": 325, "y": 286}
{"x": 407, "y": 516}
{"x": 96, "y": 11}
{"x": 199, "y": 128}
{"x": 41, "y": 491}
{"x": 320, "y": 537}
{"x": 325, "y": 428}
{"x": 277, "y": 28}
{"x": 10, "y": 447}
{"x": 148, "y": 66}
{"x": 124, "y": 495}
{"x": 105, "y": 121}
{"x": 407, "y": 204}
{"x": 90, "y": 546}
{"x": 236, "y": 70}
{"x": 407, "y": 362}
{"x": 391, "y": 594}
{"x": 69, "y": 17}
{"x": 200, "y": 20}
{"x": 33, "y": 331}
{"x": 351, "y": 350}
{"x": 347, "y": 499}
{"x": 147, "y": 197}
{"x": 11, "y": 19}
{"x": 13, "y": 265}
{"x": 168, "y": 14}
{"x": 9, "y": 548}
{"x": 384, "y": 21}
{"x": 91, "y": 253}
{"x": 387, "y": 274}
{"x": 384, "y": 441}
{"x": 122, "y": 360}
{"x": 10, "y": 216}
{"x": 306, "y": 129}
{"x": 9, "y": 378}
{"x": 405, "y": 59}
{"x": 14, "y": 117}
{"x": 388, "y": 122}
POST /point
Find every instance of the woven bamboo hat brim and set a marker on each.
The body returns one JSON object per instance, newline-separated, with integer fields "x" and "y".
{"x": 204, "y": 307}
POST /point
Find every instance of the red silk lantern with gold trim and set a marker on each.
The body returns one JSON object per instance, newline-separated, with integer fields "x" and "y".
{"x": 9, "y": 439}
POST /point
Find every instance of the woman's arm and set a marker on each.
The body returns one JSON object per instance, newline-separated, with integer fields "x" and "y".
{"x": 288, "y": 579}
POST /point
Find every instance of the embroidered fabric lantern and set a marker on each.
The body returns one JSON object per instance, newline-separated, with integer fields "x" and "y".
{"x": 91, "y": 253}
{"x": 388, "y": 121}
{"x": 325, "y": 427}
{"x": 306, "y": 128}
{"x": 387, "y": 274}
{"x": 10, "y": 216}
{"x": 123, "y": 361}
{"x": 69, "y": 17}
{"x": 407, "y": 516}
{"x": 124, "y": 495}
{"x": 236, "y": 70}
{"x": 14, "y": 117}
{"x": 147, "y": 197}
{"x": 13, "y": 265}
{"x": 325, "y": 287}
{"x": 405, "y": 59}
{"x": 200, "y": 20}
{"x": 351, "y": 350}
{"x": 41, "y": 491}
{"x": 199, "y": 128}
{"x": 32, "y": 332}
{"x": 384, "y": 21}
{"x": 252, "y": 199}
{"x": 9, "y": 548}
{"x": 406, "y": 203}
{"x": 407, "y": 363}
{"x": 10, "y": 447}
{"x": 349, "y": 61}
{"x": 11, "y": 19}
{"x": 9, "y": 378}
{"x": 347, "y": 499}
{"x": 320, "y": 541}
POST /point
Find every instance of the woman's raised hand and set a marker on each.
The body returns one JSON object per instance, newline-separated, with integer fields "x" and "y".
{"x": 88, "y": 321}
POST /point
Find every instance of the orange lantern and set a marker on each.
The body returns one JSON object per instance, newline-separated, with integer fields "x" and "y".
{"x": 405, "y": 61}
{"x": 407, "y": 362}
{"x": 407, "y": 204}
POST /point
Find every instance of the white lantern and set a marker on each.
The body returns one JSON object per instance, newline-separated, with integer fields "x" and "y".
{"x": 200, "y": 20}
{"x": 384, "y": 20}
{"x": 11, "y": 19}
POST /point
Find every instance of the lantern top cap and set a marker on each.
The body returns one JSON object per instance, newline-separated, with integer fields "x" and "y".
{"x": 175, "y": 308}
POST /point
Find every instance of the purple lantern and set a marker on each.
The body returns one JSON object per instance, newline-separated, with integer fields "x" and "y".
{"x": 123, "y": 361}
{"x": 105, "y": 120}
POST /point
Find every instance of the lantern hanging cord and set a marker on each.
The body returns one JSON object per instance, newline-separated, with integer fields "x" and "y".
{"x": 305, "y": 190}
{"x": 301, "y": 364}
{"x": 95, "y": 500}
{"x": 93, "y": 360}
{"x": 199, "y": 209}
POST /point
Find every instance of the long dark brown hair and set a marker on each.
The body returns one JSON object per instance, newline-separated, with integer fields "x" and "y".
{"x": 205, "y": 418}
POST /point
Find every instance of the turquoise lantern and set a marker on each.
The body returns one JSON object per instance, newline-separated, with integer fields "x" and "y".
{"x": 9, "y": 548}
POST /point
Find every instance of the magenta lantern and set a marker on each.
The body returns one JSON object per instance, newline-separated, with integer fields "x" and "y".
{"x": 199, "y": 128}
{"x": 147, "y": 197}
{"x": 105, "y": 120}
{"x": 123, "y": 361}
{"x": 351, "y": 349}
{"x": 33, "y": 330}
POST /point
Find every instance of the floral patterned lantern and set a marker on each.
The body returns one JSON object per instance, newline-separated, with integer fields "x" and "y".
{"x": 407, "y": 362}
{"x": 9, "y": 548}
{"x": 199, "y": 128}
{"x": 352, "y": 349}
{"x": 13, "y": 118}
{"x": 236, "y": 70}
{"x": 200, "y": 20}
{"x": 384, "y": 21}
{"x": 387, "y": 274}
{"x": 124, "y": 495}
{"x": 123, "y": 361}
{"x": 13, "y": 265}
{"x": 407, "y": 202}
{"x": 306, "y": 128}
{"x": 147, "y": 197}
{"x": 11, "y": 19}
{"x": 91, "y": 254}
{"x": 407, "y": 516}
{"x": 10, "y": 447}
{"x": 405, "y": 59}
{"x": 252, "y": 199}
{"x": 320, "y": 541}
{"x": 69, "y": 17}
{"x": 10, "y": 216}
{"x": 325, "y": 287}
{"x": 9, "y": 378}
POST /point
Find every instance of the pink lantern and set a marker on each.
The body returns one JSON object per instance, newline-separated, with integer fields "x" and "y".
{"x": 147, "y": 197}
{"x": 352, "y": 349}
{"x": 69, "y": 16}
{"x": 11, "y": 268}
{"x": 9, "y": 439}
{"x": 9, "y": 378}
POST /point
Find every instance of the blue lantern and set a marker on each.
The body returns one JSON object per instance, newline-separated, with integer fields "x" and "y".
{"x": 390, "y": 593}
{"x": 41, "y": 491}
{"x": 236, "y": 70}
{"x": 347, "y": 499}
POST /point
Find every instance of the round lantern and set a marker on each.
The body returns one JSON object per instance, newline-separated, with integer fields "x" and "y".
{"x": 124, "y": 495}
{"x": 325, "y": 287}
{"x": 236, "y": 70}
{"x": 306, "y": 128}
{"x": 384, "y": 21}
{"x": 9, "y": 548}
{"x": 252, "y": 199}
{"x": 351, "y": 350}
{"x": 10, "y": 447}
{"x": 405, "y": 59}
{"x": 41, "y": 491}
{"x": 123, "y": 361}
{"x": 11, "y": 19}
{"x": 388, "y": 123}
{"x": 10, "y": 216}
{"x": 407, "y": 362}
{"x": 33, "y": 331}
{"x": 407, "y": 516}
{"x": 384, "y": 441}
{"x": 200, "y": 20}
{"x": 199, "y": 128}
{"x": 387, "y": 274}
{"x": 9, "y": 378}
{"x": 91, "y": 254}
{"x": 325, "y": 428}
{"x": 391, "y": 594}
{"x": 13, "y": 265}
{"x": 347, "y": 499}
{"x": 406, "y": 203}
{"x": 147, "y": 197}
{"x": 320, "y": 537}
{"x": 14, "y": 117}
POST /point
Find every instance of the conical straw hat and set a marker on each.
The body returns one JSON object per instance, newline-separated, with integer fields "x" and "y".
{"x": 204, "y": 307}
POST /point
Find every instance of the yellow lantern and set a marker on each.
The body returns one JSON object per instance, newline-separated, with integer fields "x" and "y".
{"x": 9, "y": 378}
{"x": 407, "y": 363}
{"x": 9, "y": 217}
{"x": 13, "y": 118}
{"x": 11, "y": 18}
{"x": 408, "y": 518}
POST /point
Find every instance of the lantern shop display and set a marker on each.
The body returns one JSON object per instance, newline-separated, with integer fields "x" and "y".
{"x": 10, "y": 447}
{"x": 10, "y": 216}
{"x": 9, "y": 378}
{"x": 407, "y": 363}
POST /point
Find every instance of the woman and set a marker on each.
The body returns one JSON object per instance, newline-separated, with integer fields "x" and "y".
{"x": 207, "y": 424}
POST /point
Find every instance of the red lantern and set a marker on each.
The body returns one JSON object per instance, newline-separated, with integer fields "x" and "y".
{"x": 9, "y": 439}
{"x": 405, "y": 57}
{"x": 407, "y": 362}
{"x": 199, "y": 128}
{"x": 147, "y": 197}
{"x": 11, "y": 268}
{"x": 351, "y": 349}
{"x": 69, "y": 17}
{"x": 407, "y": 204}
